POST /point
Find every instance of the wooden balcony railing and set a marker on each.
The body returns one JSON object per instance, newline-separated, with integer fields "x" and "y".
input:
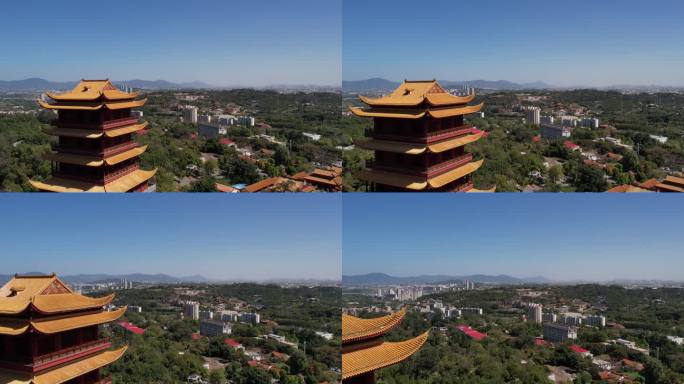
{"x": 426, "y": 138}
{"x": 428, "y": 172}
{"x": 58, "y": 357}
{"x": 109, "y": 151}
{"x": 109, "y": 124}
{"x": 109, "y": 177}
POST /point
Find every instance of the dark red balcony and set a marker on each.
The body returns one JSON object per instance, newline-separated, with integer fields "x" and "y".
{"x": 52, "y": 359}
{"x": 429, "y": 172}
{"x": 109, "y": 124}
{"x": 109, "y": 177}
{"x": 62, "y": 356}
{"x": 425, "y": 138}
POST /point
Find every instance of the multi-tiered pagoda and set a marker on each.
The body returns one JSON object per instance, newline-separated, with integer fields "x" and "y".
{"x": 96, "y": 151}
{"x": 419, "y": 139}
{"x": 364, "y": 351}
{"x": 50, "y": 335}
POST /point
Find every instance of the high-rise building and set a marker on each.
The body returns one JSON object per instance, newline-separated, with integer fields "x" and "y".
{"x": 204, "y": 119}
{"x": 559, "y": 333}
{"x": 534, "y": 313}
{"x": 191, "y": 310}
{"x": 595, "y": 321}
{"x": 49, "y": 334}
{"x": 364, "y": 352}
{"x": 534, "y": 116}
{"x": 553, "y": 132}
{"x": 206, "y": 315}
{"x": 589, "y": 122}
{"x": 190, "y": 114}
{"x": 549, "y": 317}
{"x": 250, "y": 317}
{"x": 214, "y": 328}
{"x": 572, "y": 319}
{"x": 95, "y": 151}
{"x": 419, "y": 138}
{"x": 547, "y": 120}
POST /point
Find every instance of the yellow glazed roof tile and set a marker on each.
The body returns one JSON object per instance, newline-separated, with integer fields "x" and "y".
{"x": 58, "y": 324}
{"x": 355, "y": 328}
{"x": 380, "y": 356}
{"x": 79, "y": 368}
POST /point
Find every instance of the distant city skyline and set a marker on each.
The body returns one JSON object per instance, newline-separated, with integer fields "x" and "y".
{"x": 257, "y": 237}
{"x": 563, "y": 237}
{"x": 588, "y": 43}
{"x": 256, "y": 43}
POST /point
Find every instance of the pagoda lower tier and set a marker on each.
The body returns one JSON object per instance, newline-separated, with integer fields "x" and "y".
{"x": 95, "y": 149}
{"x": 49, "y": 334}
{"x": 441, "y": 165}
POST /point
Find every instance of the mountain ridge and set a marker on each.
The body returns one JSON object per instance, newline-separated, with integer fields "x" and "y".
{"x": 385, "y": 279}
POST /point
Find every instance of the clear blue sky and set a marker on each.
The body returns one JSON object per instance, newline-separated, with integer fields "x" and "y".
{"x": 580, "y": 42}
{"x": 253, "y": 237}
{"x": 255, "y": 43}
{"x": 593, "y": 237}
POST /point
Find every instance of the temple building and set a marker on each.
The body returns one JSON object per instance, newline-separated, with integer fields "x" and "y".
{"x": 419, "y": 138}
{"x": 364, "y": 351}
{"x": 50, "y": 335}
{"x": 668, "y": 184}
{"x": 95, "y": 151}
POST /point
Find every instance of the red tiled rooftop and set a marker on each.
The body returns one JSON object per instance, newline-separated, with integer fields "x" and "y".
{"x": 232, "y": 343}
{"x": 577, "y": 349}
{"x": 131, "y": 328}
{"x": 570, "y": 145}
{"x": 470, "y": 332}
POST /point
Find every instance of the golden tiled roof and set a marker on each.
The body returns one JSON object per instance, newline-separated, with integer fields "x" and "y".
{"x": 380, "y": 356}
{"x": 93, "y": 106}
{"x": 89, "y": 90}
{"x": 91, "y": 134}
{"x": 415, "y": 93}
{"x": 94, "y": 161}
{"x": 22, "y": 291}
{"x": 399, "y": 180}
{"x": 130, "y": 181}
{"x": 58, "y": 184}
{"x": 131, "y": 153}
{"x": 18, "y": 293}
{"x": 417, "y": 113}
{"x": 392, "y": 146}
{"x": 66, "y": 302}
{"x": 122, "y": 184}
{"x": 490, "y": 190}
{"x": 124, "y": 130}
{"x": 448, "y": 177}
{"x": 14, "y": 377}
{"x": 355, "y": 328}
{"x": 69, "y": 158}
{"x": 79, "y": 368}
{"x": 455, "y": 142}
{"x": 64, "y": 323}
{"x": 13, "y": 326}
{"x": 70, "y": 132}
{"x": 411, "y": 114}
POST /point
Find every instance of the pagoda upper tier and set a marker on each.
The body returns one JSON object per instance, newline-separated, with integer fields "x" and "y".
{"x": 419, "y": 138}
{"x": 364, "y": 352}
{"x": 418, "y": 99}
{"x": 95, "y": 150}
{"x": 50, "y": 334}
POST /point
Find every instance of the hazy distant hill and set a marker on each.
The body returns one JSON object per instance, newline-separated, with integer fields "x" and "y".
{"x": 37, "y": 84}
{"x": 383, "y": 85}
{"x": 384, "y": 279}
{"x": 139, "y": 277}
